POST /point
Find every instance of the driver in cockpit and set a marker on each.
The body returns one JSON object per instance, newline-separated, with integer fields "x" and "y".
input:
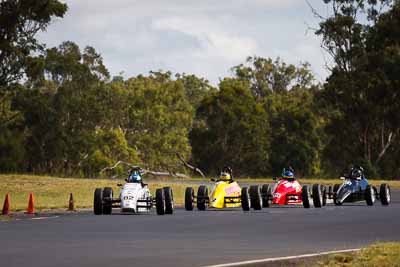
{"x": 135, "y": 176}
{"x": 226, "y": 175}
{"x": 357, "y": 172}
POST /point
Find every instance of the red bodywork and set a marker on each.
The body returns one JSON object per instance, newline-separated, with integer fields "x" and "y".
{"x": 286, "y": 192}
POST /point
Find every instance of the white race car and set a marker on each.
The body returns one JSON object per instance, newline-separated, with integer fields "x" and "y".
{"x": 135, "y": 197}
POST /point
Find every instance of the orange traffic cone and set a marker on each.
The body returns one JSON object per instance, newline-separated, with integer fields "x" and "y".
{"x": 31, "y": 209}
{"x": 71, "y": 206}
{"x": 6, "y": 206}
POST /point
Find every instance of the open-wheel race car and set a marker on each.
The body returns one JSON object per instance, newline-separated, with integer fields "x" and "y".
{"x": 135, "y": 197}
{"x": 288, "y": 191}
{"x": 224, "y": 193}
{"x": 355, "y": 187}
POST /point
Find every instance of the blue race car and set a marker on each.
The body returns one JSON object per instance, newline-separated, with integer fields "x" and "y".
{"x": 355, "y": 187}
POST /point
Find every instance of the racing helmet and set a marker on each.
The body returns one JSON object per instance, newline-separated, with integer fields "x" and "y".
{"x": 135, "y": 177}
{"x": 356, "y": 174}
{"x": 288, "y": 173}
{"x": 225, "y": 176}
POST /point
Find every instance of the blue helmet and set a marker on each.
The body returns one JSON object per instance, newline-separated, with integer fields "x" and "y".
{"x": 288, "y": 174}
{"x": 135, "y": 177}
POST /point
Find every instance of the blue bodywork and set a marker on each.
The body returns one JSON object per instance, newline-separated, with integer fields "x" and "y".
{"x": 351, "y": 190}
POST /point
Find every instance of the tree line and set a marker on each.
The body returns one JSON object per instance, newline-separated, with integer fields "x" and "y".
{"x": 62, "y": 113}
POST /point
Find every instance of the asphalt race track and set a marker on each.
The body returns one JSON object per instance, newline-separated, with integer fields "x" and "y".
{"x": 194, "y": 238}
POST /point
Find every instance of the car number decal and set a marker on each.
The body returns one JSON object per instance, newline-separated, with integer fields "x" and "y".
{"x": 230, "y": 190}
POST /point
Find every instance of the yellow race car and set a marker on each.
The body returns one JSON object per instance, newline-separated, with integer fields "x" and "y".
{"x": 225, "y": 193}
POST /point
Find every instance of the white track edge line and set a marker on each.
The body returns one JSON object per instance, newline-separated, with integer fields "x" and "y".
{"x": 44, "y": 218}
{"x": 242, "y": 263}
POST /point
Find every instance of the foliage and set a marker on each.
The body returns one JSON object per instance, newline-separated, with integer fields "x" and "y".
{"x": 20, "y": 21}
{"x": 235, "y": 131}
{"x": 297, "y": 137}
{"x": 359, "y": 96}
{"x": 60, "y": 113}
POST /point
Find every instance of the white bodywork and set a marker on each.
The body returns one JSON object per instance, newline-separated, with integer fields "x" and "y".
{"x": 130, "y": 194}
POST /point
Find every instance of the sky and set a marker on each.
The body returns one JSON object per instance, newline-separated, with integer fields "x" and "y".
{"x": 203, "y": 37}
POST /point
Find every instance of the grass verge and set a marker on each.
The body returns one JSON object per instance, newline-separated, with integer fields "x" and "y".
{"x": 376, "y": 255}
{"x": 53, "y": 192}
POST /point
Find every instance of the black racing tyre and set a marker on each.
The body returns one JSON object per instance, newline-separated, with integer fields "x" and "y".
{"x": 317, "y": 197}
{"x": 370, "y": 195}
{"x": 169, "y": 200}
{"x": 324, "y": 194}
{"x": 255, "y": 197}
{"x": 202, "y": 196}
{"x": 329, "y": 191}
{"x": 107, "y": 200}
{"x": 189, "y": 198}
{"x": 98, "y": 201}
{"x": 334, "y": 194}
{"x": 160, "y": 201}
{"x": 245, "y": 199}
{"x": 384, "y": 194}
{"x": 305, "y": 196}
{"x": 335, "y": 188}
{"x": 265, "y": 194}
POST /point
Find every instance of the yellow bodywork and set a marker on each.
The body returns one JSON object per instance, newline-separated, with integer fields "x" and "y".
{"x": 223, "y": 189}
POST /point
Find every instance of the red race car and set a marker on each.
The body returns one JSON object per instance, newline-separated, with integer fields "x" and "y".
{"x": 288, "y": 191}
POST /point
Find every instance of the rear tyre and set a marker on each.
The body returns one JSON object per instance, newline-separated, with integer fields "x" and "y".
{"x": 324, "y": 194}
{"x": 107, "y": 200}
{"x": 202, "y": 196}
{"x": 265, "y": 194}
{"x": 255, "y": 197}
{"x": 160, "y": 201}
{"x": 384, "y": 194}
{"x": 189, "y": 198}
{"x": 329, "y": 191}
{"x": 370, "y": 195}
{"x": 245, "y": 198}
{"x": 98, "y": 201}
{"x": 305, "y": 196}
{"x": 169, "y": 200}
{"x": 317, "y": 195}
{"x": 334, "y": 195}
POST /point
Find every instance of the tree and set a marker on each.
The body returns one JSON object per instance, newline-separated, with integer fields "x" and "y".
{"x": 159, "y": 118}
{"x": 296, "y": 132}
{"x": 196, "y": 89}
{"x": 361, "y": 90}
{"x": 268, "y": 77}
{"x": 64, "y": 109}
{"x": 234, "y": 130}
{"x": 20, "y": 21}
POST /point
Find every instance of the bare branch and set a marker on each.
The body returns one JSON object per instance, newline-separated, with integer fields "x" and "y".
{"x": 387, "y": 145}
{"x": 116, "y": 165}
{"x": 195, "y": 169}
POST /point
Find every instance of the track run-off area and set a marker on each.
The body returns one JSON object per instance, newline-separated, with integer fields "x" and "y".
{"x": 194, "y": 238}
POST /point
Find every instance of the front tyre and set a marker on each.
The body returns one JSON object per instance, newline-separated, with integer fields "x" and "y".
{"x": 107, "y": 200}
{"x": 98, "y": 201}
{"x": 160, "y": 201}
{"x": 335, "y": 193}
{"x": 245, "y": 199}
{"x": 370, "y": 195}
{"x": 317, "y": 197}
{"x": 169, "y": 200}
{"x": 189, "y": 198}
{"x": 255, "y": 197}
{"x": 384, "y": 194}
{"x": 305, "y": 197}
{"x": 265, "y": 194}
{"x": 202, "y": 197}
